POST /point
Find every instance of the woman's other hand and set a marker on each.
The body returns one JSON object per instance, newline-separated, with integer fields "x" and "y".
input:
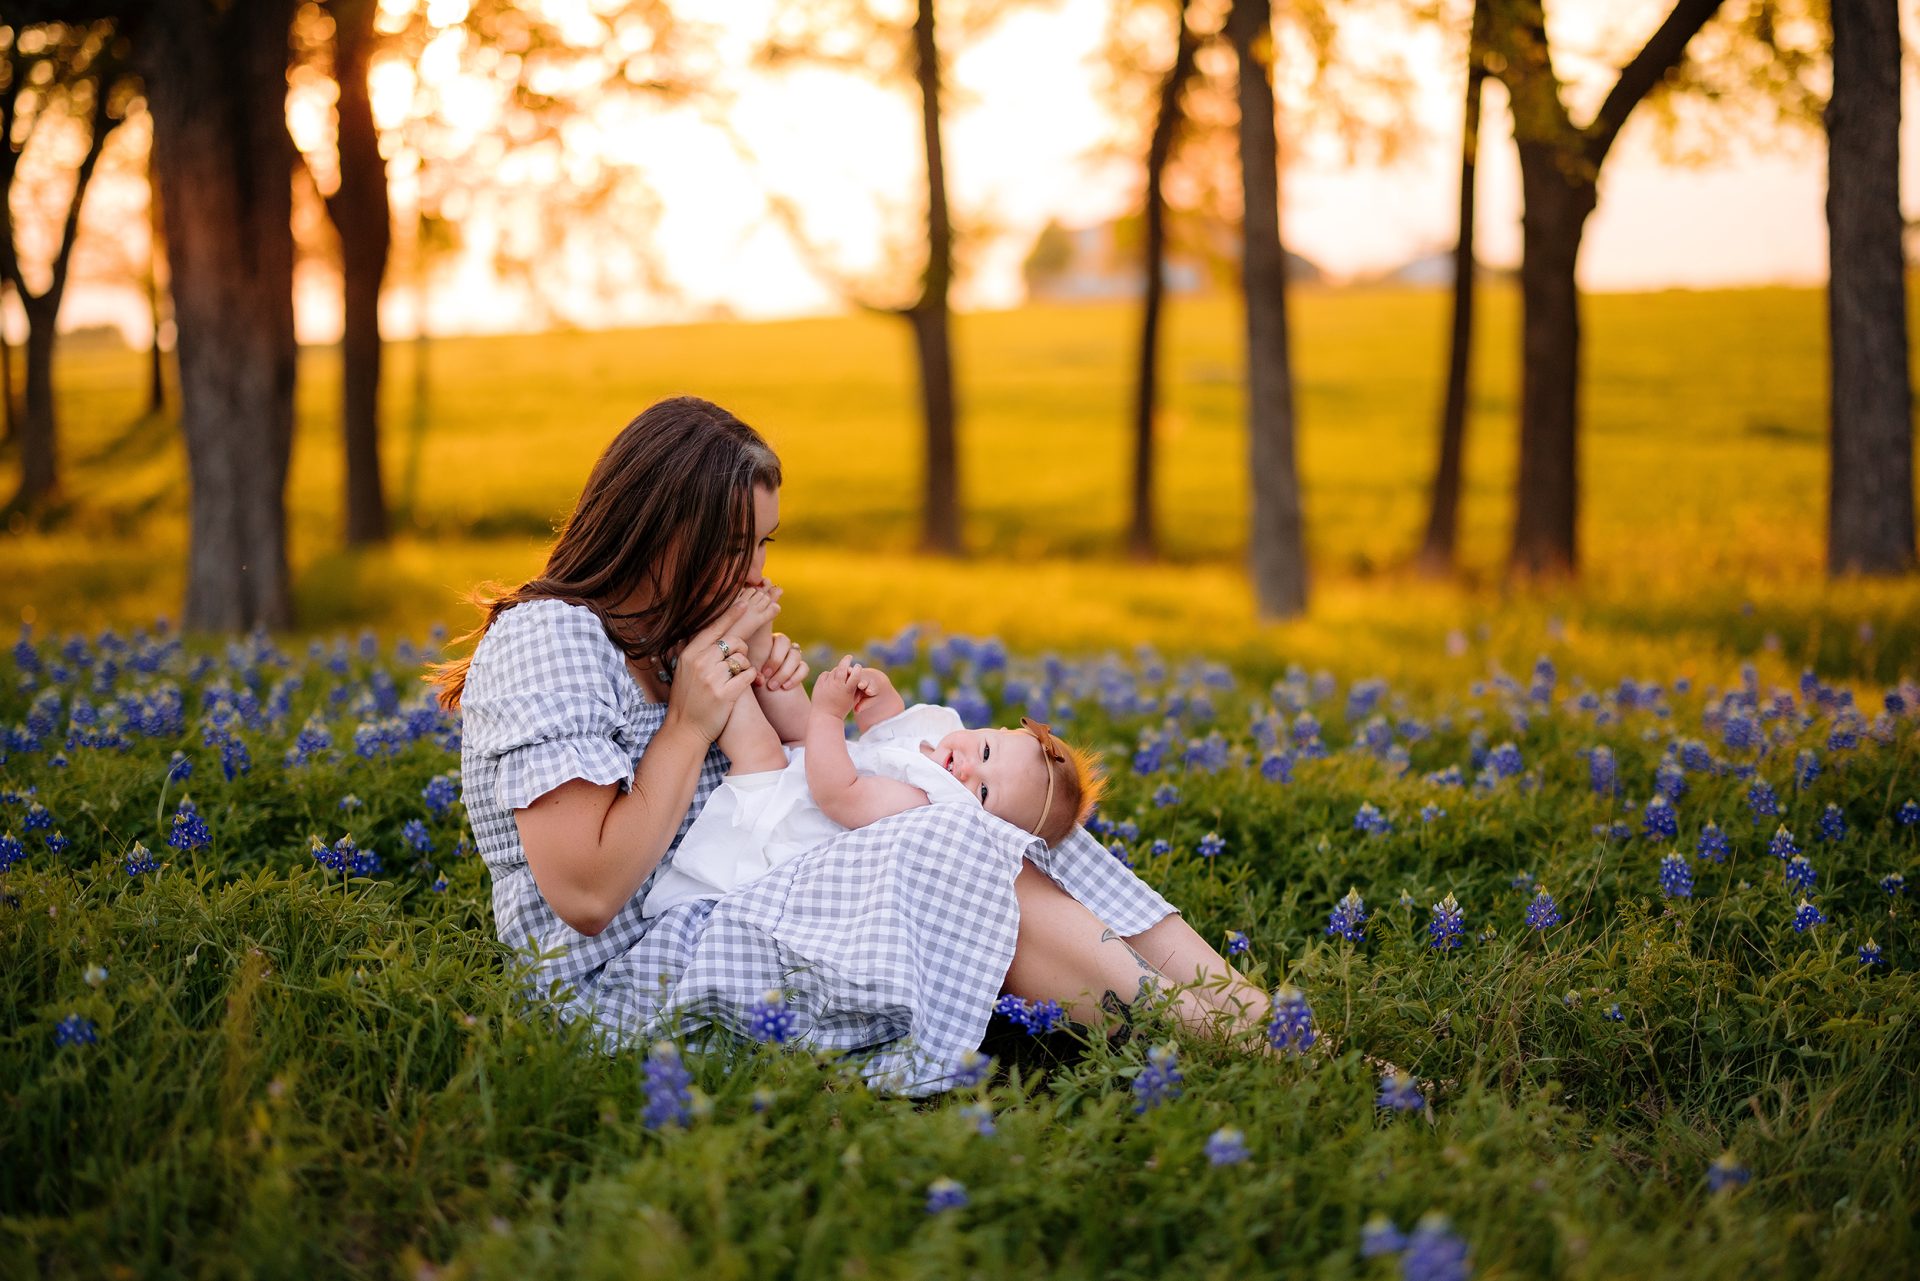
{"x": 713, "y": 671}
{"x": 783, "y": 668}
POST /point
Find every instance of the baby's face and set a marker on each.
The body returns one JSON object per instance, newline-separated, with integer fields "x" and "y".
{"x": 1003, "y": 767}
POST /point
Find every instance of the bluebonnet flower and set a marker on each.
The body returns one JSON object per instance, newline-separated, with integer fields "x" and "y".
{"x": 1762, "y": 801}
{"x": 140, "y": 861}
{"x": 1894, "y": 702}
{"x": 1447, "y": 926}
{"x": 1870, "y": 953}
{"x": 235, "y": 760}
{"x": 1505, "y": 760}
{"x": 669, "y": 1096}
{"x": 1522, "y": 880}
{"x": 1800, "y": 873}
{"x": 1237, "y": 943}
{"x": 1290, "y": 1026}
{"x": 75, "y": 1029}
{"x": 1806, "y": 768}
{"x": 179, "y": 768}
{"x": 1434, "y": 1253}
{"x": 11, "y": 851}
{"x": 1211, "y": 845}
{"x": 1614, "y": 1015}
{"x": 1602, "y": 773}
{"x": 1368, "y": 818}
{"x": 439, "y": 794}
{"x": 1044, "y": 1016}
{"x": 415, "y": 834}
{"x": 1149, "y": 757}
{"x": 365, "y": 863}
{"x": 1613, "y": 831}
{"x": 1543, "y": 913}
{"x": 332, "y": 857}
{"x": 1159, "y": 1081}
{"x": 1431, "y": 813}
{"x": 1119, "y": 850}
{"x": 56, "y": 844}
{"x": 980, "y": 1117}
{"x": 1160, "y": 846}
{"x": 1348, "y": 916}
{"x": 1782, "y": 845}
{"x": 1448, "y": 777}
{"x": 1894, "y": 884}
{"x": 772, "y": 1018}
{"x": 1570, "y": 999}
{"x": 189, "y": 829}
{"x": 1658, "y": 822}
{"x": 1165, "y": 795}
{"x": 1226, "y": 1146}
{"x": 1399, "y": 1092}
{"x": 1845, "y": 735}
{"x": 1127, "y": 830}
{"x": 1833, "y": 823}
{"x": 351, "y": 802}
{"x": 1713, "y": 843}
{"x": 1806, "y": 916}
{"x": 39, "y": 817}
{"x": 973, "y": 1068}
{"x": 1908, "y": 814}
{"x": 1739, "y": 732}
{"x": 946, "y": 1194}
{"x": 1694, "y": 756}
{"x": 313, "y": 740}
{"x": 1726, "y": 1173}
{"x": 1378, "y": 1236}
{"x": 1676, "y": 876}
{"x": 1277, "y": 767}
{"x": 1669, "y": 780}
{"x": 439, "y": 885}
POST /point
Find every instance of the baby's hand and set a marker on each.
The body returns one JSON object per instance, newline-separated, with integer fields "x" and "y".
{"x": 836, "y": 691}
{"x": 763, "y": 606}
{"x": 869, "y": 683}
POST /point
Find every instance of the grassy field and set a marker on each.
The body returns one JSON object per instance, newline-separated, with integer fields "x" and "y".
{"x": 238, "y": 1063}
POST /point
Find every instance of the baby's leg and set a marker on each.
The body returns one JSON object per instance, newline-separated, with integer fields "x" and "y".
{"x": 749, "y": 740}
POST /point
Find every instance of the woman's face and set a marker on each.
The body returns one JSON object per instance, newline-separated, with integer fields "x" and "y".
{"x": 766, "y": 519}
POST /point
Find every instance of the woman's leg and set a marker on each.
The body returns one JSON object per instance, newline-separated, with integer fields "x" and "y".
{"x": 751, "y": 744}
{"x": 1176, "y": 950}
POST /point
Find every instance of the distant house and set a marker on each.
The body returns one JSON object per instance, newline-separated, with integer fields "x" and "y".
{"x": 1103, "y": 262}
{"x": 1433, "y": 270}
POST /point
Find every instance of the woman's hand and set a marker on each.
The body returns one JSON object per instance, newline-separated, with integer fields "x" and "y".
{"x": 783, "y": 668}
{"x": 714, "y": 671}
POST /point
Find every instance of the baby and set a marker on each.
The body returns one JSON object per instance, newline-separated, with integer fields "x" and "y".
{"x": 780, "y": 800}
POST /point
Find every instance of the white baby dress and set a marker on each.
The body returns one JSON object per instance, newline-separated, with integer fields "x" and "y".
{"x": 752, "y": 823}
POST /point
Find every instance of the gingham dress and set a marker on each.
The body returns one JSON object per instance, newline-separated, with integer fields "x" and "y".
{"x": 891, "y": 938}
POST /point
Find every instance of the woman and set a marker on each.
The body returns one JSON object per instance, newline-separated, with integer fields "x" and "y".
{"x": 591, "y": 704}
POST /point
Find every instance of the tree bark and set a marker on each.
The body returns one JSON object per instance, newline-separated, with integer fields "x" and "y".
{"x": 12, "y": 414}
{"x": 1870, "y": 522}
{"x": 216, "y": 78}
{"x": 1547, "y": 510}
{"x": 360, "y": 212}
{"x": 1142, "y": 536}
{"x": 929, "y": 317}
{"x": 39, "y": 445}
{"x": 1439, "y": 547}
{"x": 1277, "y": 555}
{"x": 156, "y": 258}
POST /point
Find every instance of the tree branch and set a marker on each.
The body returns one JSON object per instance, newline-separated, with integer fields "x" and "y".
{"x": 1662, "y": 53}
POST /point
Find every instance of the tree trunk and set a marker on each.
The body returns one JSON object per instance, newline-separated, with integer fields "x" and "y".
{"x": 156, "y": 258}
{"x": 940, "y": 530}
{"x": 1277, "y": 555}
{"x": 1142, "y": 539}
{"x": 361, "y": 213}
{"x": 1870, "y": 525}
{"x": 39, "y": 452}
{"x": 1439, "y": 547}
{"x": 1556, "y": 206}
{"x": 12, "y": 416}
{"x": 216, "y": 79}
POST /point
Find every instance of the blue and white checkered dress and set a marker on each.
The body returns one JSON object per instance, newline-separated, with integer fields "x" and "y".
{"x": 891, "y": 938}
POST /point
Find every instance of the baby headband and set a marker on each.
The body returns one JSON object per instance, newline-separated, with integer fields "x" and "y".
{"x": 1050, "y": 751}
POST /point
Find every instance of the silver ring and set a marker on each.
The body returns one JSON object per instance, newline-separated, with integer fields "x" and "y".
{"x": 726, "y": 650}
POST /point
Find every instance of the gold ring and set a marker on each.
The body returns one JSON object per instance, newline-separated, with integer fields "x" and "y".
{"x": 736, "y": 664}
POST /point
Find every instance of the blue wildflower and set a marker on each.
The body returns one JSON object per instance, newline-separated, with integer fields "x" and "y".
{"x": 1159, "y": 1081}
{"x": 1658, "y": 822}
{"x": 1762, "y": 801}
{"x": 1676, "y": 876}
{"x": 1806, "y": 768}
{"x": 1226, "y": 1146}
{"x": 1369, "y": 819}
{"x": 1800, "y": 873}
{"x": 1434, "y": 1253}
{"x": 771, "y": 1019}
{"x": 1782, "y": 845}
{"x": 439, "y": 794}
{"x": 439, "y": 885}
{"x": 1378, "y": 1236}
{"x": 1211, "y": 845}
{"x": 1149, "y": 757}
{"x": 1347, "y": 917}
{"x": 1669, "y": 780}
{"x": 973, "y": 1068}
{"x": 1119, "y": 850}
{"x": 1870, "y": 953}
{"x": 1833, "y": 823}
{"x": 1845, "y": 735}
{"x": 1399, "y": 1092}
{"x": 56, "y": 844}
{"x": 325, "y": 855}
{"x": 1277, "y": 767}
{"x": 1237, "y": 943}
{"x": 351, "y": 802}
{"x": 1505, "y": 760}
{"x": 39, "y": 817}
{"x": 1806, "y": 916}
{"x": 179, "y": 768}
{"x": 1740, "y": 732}
{"x": 1602, "y": 773}
{"x": 11, "y": 851}
{"x": 1447, "y": 926}
{"x": 75, "y": 1029}
{"x": 980, "y": 1117}
{"x": 1044, "y": 1016}
{"x": 669, "y": 1096}
{"x": 1166, "y": 795}
{"x": 1160, "y": 846}
{"x": 1290, "y": 1025}
{"x": 189, "y": 829}
{"x": 1713, "y": 843}
{"x": 1726, "y": 1173}
{"x": 1894, "y": 884}
{"x": 1431, "y": 813}
{"x": 365, "y": 863}
{"x": 1614, "y": 1015}
{"x": 1543, "y": 913}
{"x": 946, "y": 1194}
{"x": 415, "y": 834}
{"x": 1908, "y": 814}
{"x": 140, "y": 861}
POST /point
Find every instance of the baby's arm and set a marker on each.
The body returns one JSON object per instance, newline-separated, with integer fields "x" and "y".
{"x": 844, "y": 795}
{"x": 874, "y": 698}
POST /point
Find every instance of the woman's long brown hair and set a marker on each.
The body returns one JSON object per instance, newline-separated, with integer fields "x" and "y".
{"x": 667, "y": 512}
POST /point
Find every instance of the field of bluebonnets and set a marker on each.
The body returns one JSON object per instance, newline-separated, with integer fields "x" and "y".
{"x": 1619, "y": 888}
